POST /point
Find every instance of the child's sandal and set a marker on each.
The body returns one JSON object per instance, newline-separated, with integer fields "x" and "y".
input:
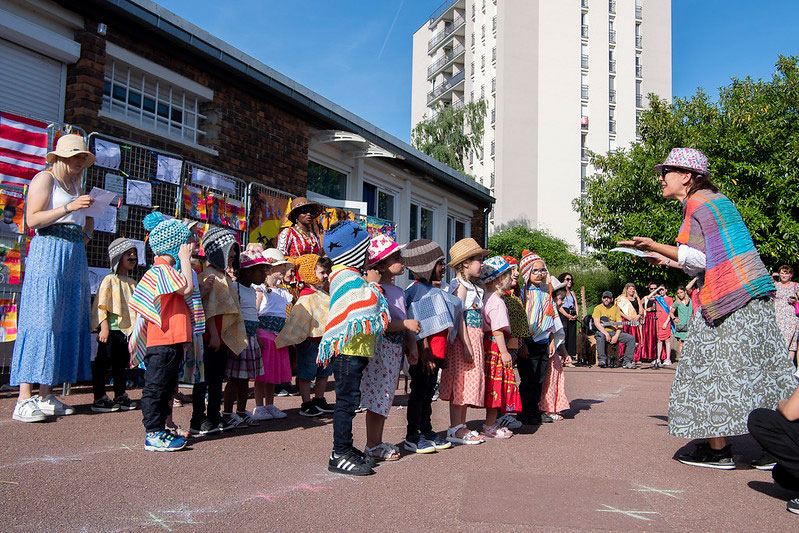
{"x": 383, "y": 452}
{"x": 497, "y": 432}
{"x": 470, "y": 437}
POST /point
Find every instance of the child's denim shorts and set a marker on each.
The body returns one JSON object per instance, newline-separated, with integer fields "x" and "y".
{"x": 307, "y": 369}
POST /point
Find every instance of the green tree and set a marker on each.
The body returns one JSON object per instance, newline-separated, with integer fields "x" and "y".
{"x": 751, "y": 138}
{"x": 452, "y": 132}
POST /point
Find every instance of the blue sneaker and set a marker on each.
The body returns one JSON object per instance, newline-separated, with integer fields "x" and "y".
{"x": 438, "y": 442}
{"x": 163, "y": 441}
{"x": 419, "y": 444}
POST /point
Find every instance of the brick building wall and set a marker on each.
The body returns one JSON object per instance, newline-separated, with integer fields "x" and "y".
{"x": 255, "y": 140}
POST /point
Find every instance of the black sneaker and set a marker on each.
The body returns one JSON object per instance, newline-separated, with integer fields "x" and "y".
{"x": 104, "y": 405}
{"x": 282, "y": 391}
{"x": 322, "y": 405}
{"x": 546, "y": 419}
{"x": 125, "y": 403}
{"x": 205, "y": 428}
{"x": 292, "y": 390}
{"x": 704, "y": 456}
{"x": 349, "y": 464}
{"x": 368, "y": 459}
{"x": 602, "y": 365}
{"x": 793, "y": 506}
{"x": 309, "y": 409}
{"x": 765, "y": 462}
{"x": 438, "y": 442}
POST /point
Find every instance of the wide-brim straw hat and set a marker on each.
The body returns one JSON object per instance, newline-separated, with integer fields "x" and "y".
{"x": 465, "y": 249}
{"x": 275, "y": 257}
{"x": 68, "y": 146}
{"x": 300, "y": 202}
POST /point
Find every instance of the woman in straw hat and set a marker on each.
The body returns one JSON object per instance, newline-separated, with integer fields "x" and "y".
{"x": 53, "y": 344}
{"x": 299, "y": 238}
{"x": 734, "y": 358}
{"x": 463, "y": 378}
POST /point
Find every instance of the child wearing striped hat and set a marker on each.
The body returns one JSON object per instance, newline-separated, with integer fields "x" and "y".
{"x": 111, "y": 314}
{"x": 358, "y": 315}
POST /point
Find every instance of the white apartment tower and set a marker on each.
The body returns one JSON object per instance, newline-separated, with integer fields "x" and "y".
{"x": 559, "y": 76}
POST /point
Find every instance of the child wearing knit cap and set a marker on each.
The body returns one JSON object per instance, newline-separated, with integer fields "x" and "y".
{"x": 439, "y": 316}
{"x": 304, "y": 326}
{"x": 169, "y": 312}
{"x": 224, "y": 334}
{"x": 358, "y": 315}
{"x": 111, "y": 314}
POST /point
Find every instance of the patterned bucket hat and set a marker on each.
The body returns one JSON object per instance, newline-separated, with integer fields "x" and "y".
{"x": 380, "y": 247}
{"x": 421, "y": 257}
{"x": 251, "y": 257}
{"x": 493, "y": 267}
{"x": 687, "y": 159}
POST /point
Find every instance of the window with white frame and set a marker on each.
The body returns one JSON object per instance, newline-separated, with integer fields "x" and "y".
{"x": 135, "y": 95}
{"x": 379, "y": 202}
{"x": 421, "y": 222}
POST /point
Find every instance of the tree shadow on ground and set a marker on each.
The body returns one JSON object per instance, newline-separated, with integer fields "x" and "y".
{"x": 578, "y": 405}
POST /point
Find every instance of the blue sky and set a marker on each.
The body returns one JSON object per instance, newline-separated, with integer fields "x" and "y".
{"x": 357, "y": 53}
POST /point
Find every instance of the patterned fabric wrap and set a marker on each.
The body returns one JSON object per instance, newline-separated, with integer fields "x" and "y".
{"x": 251, "y": 327}
{"x": 540, "y": 311}
{"x": 435, "y": 310}
{"x": 113, "y": 296}
{"x": 473, "y": 318}
{"x": 727, "y": 371}
{"x": 501, "y": 390}
{"x": 223, "y": 299}
{"x": 519, "y": 327}
{"x": 271, "y": 323}
{"x": 65, "y": 232}
{"x": 166, "y": 235}
{"x": 307, "y": 319}
{"x": 306, "y": 269}
{"x": 146, "y": 302}
{"x": 734, "y": 273}
{"x": 293, "y": 242}
{"x": 355, "y": 307}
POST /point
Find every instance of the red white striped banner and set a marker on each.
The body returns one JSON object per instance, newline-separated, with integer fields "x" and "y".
{"x": 23, "y": 147}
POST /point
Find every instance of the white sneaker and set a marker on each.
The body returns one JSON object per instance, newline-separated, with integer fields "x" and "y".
{"x": 50, "y": 405}
{"x": 509, "y": 422}
{"x": 275, "y": 412}
{"x": 667, "y": 362}
{"x": 28, "y": 411}
{"x": 261, "y": 413}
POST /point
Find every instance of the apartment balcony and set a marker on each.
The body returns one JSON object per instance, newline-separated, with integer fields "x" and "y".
{"x": 639, "y": 71}
{"x": 612, "y": 66}
{"x": 493, "y": 85}
{"x": 611, "y": 126}
{"x": 638, "y": 13}
{"x": 443, "y": 8}
{"x": 584, "y": 31}
{"x": 493, "y": 148}
{"x": 493, "y": 180}
{"x": 612, "y": 96}
{"x": 583, "y": 61}
{"x": 493, "y": 116}
{"x": 450, "y": 27}
{"x": 612, "y": 36}
{"x": 494, "y": 24}
{"x": 446, "y": 60}
{"x": 445, "y": 87}
{"x": 612, "y": 6}
{"x": 638, "y": 41}
{"x": 494, "y": 55}
{"x": 584, "y": 4}
{"x": 639, "y": 101}
{"x": 584, "y": 92}
{"x": 584, "y": 123}
{"x": 584, "y": 154}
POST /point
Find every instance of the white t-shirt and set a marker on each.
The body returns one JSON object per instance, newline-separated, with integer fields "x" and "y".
{"x": 274, "y": 302}
{"x": 247, "y": 302}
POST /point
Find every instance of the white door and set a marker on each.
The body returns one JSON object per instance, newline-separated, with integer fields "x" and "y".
{"x": 31, "y": 83}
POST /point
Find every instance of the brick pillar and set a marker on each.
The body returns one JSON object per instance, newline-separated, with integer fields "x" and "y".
{"x": 84, "y": 88}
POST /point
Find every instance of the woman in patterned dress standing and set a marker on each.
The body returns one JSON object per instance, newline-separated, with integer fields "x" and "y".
{"x": 722, "y": 375}
{"x": 784, "y": 306}
{"x": 299, "y": 238}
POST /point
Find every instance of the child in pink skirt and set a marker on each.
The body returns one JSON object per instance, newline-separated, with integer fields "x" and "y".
{"x": 501, "y": 390}
{"x": 553, "y": 393}
{"x": 272, "y": 302}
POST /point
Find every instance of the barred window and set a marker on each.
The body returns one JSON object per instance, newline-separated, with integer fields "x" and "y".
{"x": 132, "y": 94}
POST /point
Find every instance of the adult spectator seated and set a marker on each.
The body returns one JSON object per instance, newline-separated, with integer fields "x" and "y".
{"x": 611, "y": 334}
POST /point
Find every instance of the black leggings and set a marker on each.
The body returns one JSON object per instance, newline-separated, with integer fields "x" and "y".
{"x": 215, "y": 363}
{"x": 420, "y": 400}
{"x": 113, "y": 354}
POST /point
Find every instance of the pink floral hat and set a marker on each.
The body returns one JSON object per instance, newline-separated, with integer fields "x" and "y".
{"x": 250, "y": 258}
{"x": 687, "y": 159}
{"x": 380, "y": 247}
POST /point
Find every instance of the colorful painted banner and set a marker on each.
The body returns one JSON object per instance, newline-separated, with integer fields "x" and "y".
{"x": 8, "y": 320}
{"x": 12, "y": 207}
{"x": 215, "y": 209}
{"x": 194, "y": 203}
{"x": 266, "y": 214}
{"x": 378, "y": 226}
{"x": 10, "y": 261}
{"x": 236, "y": 215}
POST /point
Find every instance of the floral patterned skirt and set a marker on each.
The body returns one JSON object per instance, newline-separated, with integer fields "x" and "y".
{"x": 553, "y": 391}
{"x": 379, "y": 381}
{"x": 728, "y": 370}
{"x": 501, "y": 392}
{"x": 462, "y": 381}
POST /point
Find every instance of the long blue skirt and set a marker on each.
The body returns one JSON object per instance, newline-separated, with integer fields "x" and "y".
{"x": 53, "y": 344}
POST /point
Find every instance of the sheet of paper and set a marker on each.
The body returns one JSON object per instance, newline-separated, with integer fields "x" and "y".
{"x": 632, "y": 251}
{"x": 102, "y": 199}
{"x": 107, "y": 154}
{"x": 96, "y": 275}
{"x": 212, "y": 180}
{"x": 108, "y": 221}
{"x": 122, "y": 213}
{"x": 169, "y": 169}
{"x": 116, "y": 184}
{"x": 140, "y": 251}
{"x": 139, "y": 193}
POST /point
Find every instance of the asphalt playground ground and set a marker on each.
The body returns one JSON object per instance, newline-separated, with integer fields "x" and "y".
{"x": 608, "y": 467}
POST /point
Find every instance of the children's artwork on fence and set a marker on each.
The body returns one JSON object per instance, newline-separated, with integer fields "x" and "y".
{"x": 266, "y": 213}
{"x": 194, "y": 203}
{"x": 207, "y": 178}
{"x": 236, "y": 216}
{"x": 168, "y": 169}
{"x": 107, "y": 154}
{"x": 139, "y": 193}
{"x": 379, "y": 226}
{"x": 10, "y": 261}
{"x": 8, "y": 320}
{"x": 215, "y": 209}
{"x": 12, "y": 204}
{"x": 107, "y": 222}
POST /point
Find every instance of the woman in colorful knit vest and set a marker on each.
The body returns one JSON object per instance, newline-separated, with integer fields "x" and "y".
{"x": 734, "y": 358}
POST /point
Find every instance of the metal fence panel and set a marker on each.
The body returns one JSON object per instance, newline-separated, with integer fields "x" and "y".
{"x": 265, "y": 211}
{"x": 214, "y": 198}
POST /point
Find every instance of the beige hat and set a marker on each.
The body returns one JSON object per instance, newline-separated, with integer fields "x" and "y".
{"x": 68, "y": 146}
{"x": 300, "y": 202}
{"x": 274, "y": 257}
{"x": 465, "y": 249}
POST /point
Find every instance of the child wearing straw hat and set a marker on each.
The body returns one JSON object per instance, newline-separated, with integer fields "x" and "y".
{"x": 463, "y": 378}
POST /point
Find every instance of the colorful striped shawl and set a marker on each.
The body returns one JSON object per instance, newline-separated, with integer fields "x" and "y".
{"x": 734, "y": 273}
{"x": 540, "y": 311}
{"x": 146, "y": 302}
{"x": 355, "y": 307}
